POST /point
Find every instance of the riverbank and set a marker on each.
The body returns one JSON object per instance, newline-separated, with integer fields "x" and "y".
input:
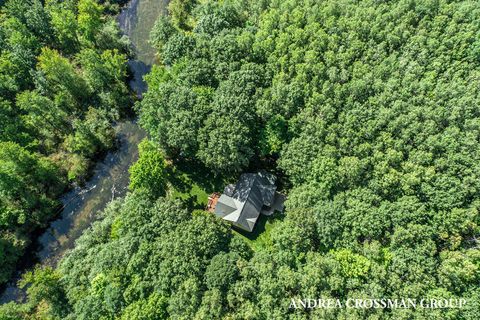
{"x": 110, "y": 176}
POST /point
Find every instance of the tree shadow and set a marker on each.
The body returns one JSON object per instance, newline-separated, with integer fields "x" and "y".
{"x": 176, "y": 179}
{"x": 202, "y": 176}
{"x": 260, "y": 226}
{"x": 192, "y": 182}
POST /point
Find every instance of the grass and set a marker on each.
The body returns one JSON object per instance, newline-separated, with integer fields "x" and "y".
{"x": 260, "y": 237}
{"x": 195, "y": 195}
{"x": 193, "y": 183}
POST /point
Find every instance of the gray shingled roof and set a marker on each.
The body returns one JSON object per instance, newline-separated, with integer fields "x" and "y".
{"x": 242, "y": 204}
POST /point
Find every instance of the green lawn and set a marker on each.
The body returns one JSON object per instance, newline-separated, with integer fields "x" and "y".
{"x": 260, "y": 237}
{"x": 193, "y": 183}
{"x": 189, "y": 191}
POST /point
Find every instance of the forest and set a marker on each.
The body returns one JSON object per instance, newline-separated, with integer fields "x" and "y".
{"x": 62, "y": 86}
{"x": 368, "y": 111}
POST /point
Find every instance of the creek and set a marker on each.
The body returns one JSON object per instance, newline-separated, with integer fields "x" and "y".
{"x": 110, "y": 177}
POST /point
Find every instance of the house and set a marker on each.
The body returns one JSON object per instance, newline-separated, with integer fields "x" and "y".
{"x": 254, "y": 193}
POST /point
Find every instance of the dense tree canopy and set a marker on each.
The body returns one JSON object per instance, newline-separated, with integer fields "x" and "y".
{"x": 369, "y": 111}
{"x": 149, "y": 172}
{"x": 62, "y": 84}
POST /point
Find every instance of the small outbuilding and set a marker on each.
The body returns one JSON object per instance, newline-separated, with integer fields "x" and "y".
{"x": 254, "y": 193}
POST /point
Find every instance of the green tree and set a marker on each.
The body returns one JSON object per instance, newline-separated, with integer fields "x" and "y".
{"x": 43, "y": 118}
{"x": 65, "y": 26}
{"x": 28, "y": 185}
{"x": 153, "y": 308}
{"x": 89, "y": 18}
{"x": 185, "y": 301}
{"x": 11, "y": 248}
{"x": 56, "y": 74}
{"x": 43, "y": 286}
{"x": 161, "y": 32}
{"x": 180, "y": 11}
{"x": 173, "y": 117}
{"x": 222, "y": 271}
{"x": 54, "y": 121}
{"x": 224, "y": 143}
{"x": 92, "y": 135}
{"x": 149, "y": 172}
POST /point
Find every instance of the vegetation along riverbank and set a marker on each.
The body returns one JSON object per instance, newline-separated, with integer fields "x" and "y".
{"x": 362, "y": 114}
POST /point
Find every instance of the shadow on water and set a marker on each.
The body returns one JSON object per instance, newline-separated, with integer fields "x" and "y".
{"x": 139, "y": 69}
{"x": 79, "y": 207}
{"x": 110, "y": 177}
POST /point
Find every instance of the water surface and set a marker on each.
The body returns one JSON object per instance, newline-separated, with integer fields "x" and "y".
{"x": 110, "y": 177}
{"x": 136, "y": 21}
